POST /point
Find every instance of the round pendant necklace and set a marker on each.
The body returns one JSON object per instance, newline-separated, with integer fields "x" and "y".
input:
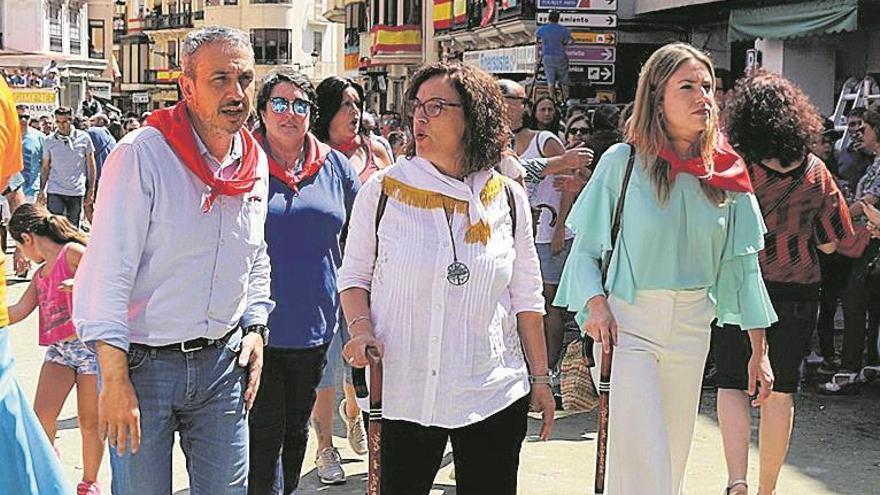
{"x": 457, "y": 273}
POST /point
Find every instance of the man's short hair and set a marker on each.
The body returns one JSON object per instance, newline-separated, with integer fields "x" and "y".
{"x": 207, "y": 35}
{"x": 554, "y": 16}
{"x": 63, "y": 111}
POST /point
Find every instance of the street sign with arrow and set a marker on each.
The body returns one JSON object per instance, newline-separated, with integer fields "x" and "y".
{"x": 594, "y": 38}
{"x": 582, "y": 20}
{"x": 594, "y": 74}
{"x": 585, "y": 54}
{"x": 581, "y": 5}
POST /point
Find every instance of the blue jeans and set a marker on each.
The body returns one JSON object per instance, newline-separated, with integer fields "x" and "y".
{"x": 200, "y": 395}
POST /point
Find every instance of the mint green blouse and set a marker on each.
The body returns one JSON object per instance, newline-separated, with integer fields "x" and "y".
{"x": 686, "y": 244}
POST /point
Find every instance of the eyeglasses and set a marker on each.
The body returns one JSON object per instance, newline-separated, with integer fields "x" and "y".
{"x": 283, "y": 105}
{"x": 580, "y": 131}
{"x": 432, "y": 108}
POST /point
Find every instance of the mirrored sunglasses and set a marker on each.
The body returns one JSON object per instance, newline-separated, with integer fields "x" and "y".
{"x": 283, "y": 105}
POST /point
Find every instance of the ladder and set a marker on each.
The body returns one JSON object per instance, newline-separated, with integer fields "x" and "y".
{"x": 854, "y": 94}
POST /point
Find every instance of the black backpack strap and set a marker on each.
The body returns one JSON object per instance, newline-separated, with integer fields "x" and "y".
{"x": 380, "y": 212}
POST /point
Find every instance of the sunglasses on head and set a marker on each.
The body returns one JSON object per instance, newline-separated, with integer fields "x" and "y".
{"x": 283, "y": 105}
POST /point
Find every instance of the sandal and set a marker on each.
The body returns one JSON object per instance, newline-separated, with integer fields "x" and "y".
{"x": 842, "y": 383}
{"x": 738, "y": 487}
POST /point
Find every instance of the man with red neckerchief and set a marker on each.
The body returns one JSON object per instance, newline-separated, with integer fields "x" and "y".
{"x": 173, "y": 292}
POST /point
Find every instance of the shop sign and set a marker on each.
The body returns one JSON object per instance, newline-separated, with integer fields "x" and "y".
{"x": 581, "y": 5}
{"x": 38, "y": 102}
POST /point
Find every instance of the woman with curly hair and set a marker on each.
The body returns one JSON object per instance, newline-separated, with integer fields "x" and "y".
{"x": 773, "y": 125}
{"x": 440, "y": 273}
{"x": 687, "y": 253}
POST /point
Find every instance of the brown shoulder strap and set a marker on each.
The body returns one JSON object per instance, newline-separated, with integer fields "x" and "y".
{"x": 618, "y": 213}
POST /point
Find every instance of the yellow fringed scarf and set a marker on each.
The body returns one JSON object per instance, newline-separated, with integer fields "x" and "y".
{"x": 429, "y": 200}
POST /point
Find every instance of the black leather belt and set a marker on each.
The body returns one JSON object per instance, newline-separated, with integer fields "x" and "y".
{"x": 191, "y": 345}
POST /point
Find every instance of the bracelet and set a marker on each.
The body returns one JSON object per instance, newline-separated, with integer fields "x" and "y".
{"x": 357, "y": 319}
{"x": 539, "y": 379}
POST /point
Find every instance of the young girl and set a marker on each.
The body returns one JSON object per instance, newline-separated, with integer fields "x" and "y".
{"x": 54, "y": 241}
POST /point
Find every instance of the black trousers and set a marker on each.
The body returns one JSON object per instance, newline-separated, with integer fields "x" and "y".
{"x": 279, "y": 419}
{"x": 486, "y": 454}
{"x": 69, "y": 206}
{"x": 860, "y": 300}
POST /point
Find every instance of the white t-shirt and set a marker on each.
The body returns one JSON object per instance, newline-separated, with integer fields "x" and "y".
{"x": 544, "y": 196}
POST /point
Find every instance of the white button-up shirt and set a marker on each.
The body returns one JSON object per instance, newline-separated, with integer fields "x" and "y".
{"x": 453, "y": 356}
{"x": 158, "y": 270}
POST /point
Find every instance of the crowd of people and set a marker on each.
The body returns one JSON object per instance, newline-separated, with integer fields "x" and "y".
{"x": 29, "y": 78}
{"x": 252, "y": 240}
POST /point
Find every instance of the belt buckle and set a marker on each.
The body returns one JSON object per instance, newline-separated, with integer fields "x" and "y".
{"x": 185, "y": 349}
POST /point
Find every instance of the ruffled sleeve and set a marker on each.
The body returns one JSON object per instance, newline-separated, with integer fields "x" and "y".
{"x": 590, "y": 220}
{"x": 739, "y": 292}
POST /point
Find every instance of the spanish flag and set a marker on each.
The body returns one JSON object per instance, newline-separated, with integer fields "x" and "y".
{"x": 442, "y": 15}
{"x": 396, "y": 39}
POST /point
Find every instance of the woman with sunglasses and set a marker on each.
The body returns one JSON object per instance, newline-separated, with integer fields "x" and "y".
{"x": 577, "y": 130}
{"x": 339, "y": 125}
{"x": 444, "y": 280}
{"x": 311, "y": 192}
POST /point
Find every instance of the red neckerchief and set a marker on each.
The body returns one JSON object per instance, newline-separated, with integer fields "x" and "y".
{"x": 349, "y": 146}
{"x": 175, "y": 125}
{"x": 730, "y": 169}
{"x": 316, "y": 155}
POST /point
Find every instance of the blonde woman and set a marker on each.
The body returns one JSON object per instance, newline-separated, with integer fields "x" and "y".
{"x": 687, "y": 253}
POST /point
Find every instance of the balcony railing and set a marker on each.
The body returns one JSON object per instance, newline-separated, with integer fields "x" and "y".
{"x": 271, "y": 1}
{"x": 56, "y": 44}
{"x": 168, "y": 21}
{"x": 97, "y": 54}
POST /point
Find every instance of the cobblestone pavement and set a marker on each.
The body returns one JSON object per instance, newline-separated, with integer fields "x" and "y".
{"x": 835, "y": 449}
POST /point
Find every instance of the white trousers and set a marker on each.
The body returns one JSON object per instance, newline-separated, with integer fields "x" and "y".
{"x": 655, "y": 389}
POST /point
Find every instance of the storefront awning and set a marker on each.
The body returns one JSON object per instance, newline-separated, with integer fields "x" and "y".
{"x": 810, "y": 18}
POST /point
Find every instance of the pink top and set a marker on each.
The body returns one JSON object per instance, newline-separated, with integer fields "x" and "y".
{"x": 55, "y": 306}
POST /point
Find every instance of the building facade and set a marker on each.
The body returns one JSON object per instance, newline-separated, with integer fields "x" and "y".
{"x": 283, "y": 33}
{"x": 60, "y": 46}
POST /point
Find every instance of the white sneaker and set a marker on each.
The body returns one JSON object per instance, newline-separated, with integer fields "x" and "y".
{"x": 329, "y": 464}
{"x": 357, "y": 436}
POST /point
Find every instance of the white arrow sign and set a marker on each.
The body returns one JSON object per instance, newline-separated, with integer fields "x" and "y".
{"x": 579, "y": 5}
{"x": 582, "y": 20}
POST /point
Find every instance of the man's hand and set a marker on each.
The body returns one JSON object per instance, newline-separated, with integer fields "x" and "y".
{"x": 251, "y": 356}
{"x": 119, "y": 415}
{"x": 89, "y": 199}
{"x": 41, "y": 198}
{"x": 579, "y": 157}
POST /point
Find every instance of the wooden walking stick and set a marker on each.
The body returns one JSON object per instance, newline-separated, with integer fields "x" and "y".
{"x": 374, "y": 439}
{"x": 604, "y": 387}
{"x": 374, "y": 428}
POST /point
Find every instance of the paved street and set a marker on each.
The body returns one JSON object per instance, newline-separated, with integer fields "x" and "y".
{"x": 835, "y": 449}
